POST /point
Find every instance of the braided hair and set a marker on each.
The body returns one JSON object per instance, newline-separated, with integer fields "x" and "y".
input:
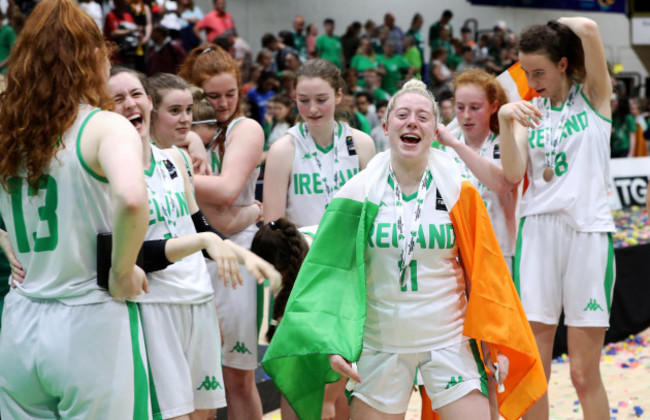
{"x": 281, "y": 244}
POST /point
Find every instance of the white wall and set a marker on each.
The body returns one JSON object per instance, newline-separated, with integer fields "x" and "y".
{"x": 256, "y": 17}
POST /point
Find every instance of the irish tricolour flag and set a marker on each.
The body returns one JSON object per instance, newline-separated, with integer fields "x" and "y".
{"x": 326, "y": 311}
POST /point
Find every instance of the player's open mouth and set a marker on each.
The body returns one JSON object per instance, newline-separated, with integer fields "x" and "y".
{"x": 410, "y": 138}
{"x": 136, "y": 120}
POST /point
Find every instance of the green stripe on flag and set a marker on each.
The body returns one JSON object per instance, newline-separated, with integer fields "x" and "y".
{"x": 326, "y": 310}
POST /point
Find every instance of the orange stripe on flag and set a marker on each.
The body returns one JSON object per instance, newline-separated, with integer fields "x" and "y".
{"x": 519, "y": 77}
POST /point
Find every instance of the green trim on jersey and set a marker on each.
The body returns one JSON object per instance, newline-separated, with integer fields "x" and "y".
{"x": 609, "y": 272}
{"x": 216, "y": 162}
{"x": 480, "y": 366}
{"x": 594, "y": 109}
{"x": 81, "y": 159}
{"x": 187, "y": 164}
{"x": 412, "y": 196}
{"x": 517, "y": 258}
{"x": 140, "y": 381}
{"x": 152, "y": 166}
{"x": 327, "y": 149}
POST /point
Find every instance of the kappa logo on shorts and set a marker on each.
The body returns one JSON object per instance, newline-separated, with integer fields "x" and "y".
{"x": 240, "y": 348}
{"x": 593, "y": 306}
{"x": 209, "y": 384}
{"x": 454, "y": 381}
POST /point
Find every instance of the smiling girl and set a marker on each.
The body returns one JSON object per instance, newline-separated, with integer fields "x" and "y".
{"x": 235, "y": 155}
{"x": 477, "y": 99}
{"x": 391, "y": 244}
{"x": 561, "y": 140}
{"x": 182, "y": 351}
{"x": 305, "y": 167}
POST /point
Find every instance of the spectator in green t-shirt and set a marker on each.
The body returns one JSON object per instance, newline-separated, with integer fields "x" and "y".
{"x": 412, "y": 55}
{"x": 444, "y": 40}
{"x": 434, "y": 30}
{"x": 8, "y": 39}
{"x": 364, "y": 59}
{"x": 299, "y": 39}
{"x": 328, "y": 45}
{"x": 623, "y": 137}
{"x": 396, "y": 68}
{"x": 372, "y": 78}
{"x": 416, "y": 33}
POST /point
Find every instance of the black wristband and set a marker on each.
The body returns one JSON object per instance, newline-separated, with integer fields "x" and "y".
{"x": 154, "y": 255}
{"x": 202, "y": 225}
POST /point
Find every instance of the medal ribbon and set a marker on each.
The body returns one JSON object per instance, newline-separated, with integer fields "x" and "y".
{"x": 168, "y": 205}
{"x": 408, "y": 244}
{"x": 558, "y": 130}
{"x": 329, "y": 189}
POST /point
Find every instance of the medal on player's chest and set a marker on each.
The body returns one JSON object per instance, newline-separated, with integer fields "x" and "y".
{"x": 548, "y": 174}
{"x": 555, "y": 137}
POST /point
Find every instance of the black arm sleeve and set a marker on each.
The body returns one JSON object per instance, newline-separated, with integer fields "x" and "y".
{"x": 153, "y": 255}
{"x": 202, "y": 225}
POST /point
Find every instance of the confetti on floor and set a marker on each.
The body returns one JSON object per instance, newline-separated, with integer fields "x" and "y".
{"x": 625, "y": 367}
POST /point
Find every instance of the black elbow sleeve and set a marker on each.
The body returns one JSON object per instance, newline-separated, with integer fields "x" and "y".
{"x": 153, "y": 253}
{"x": 202, "y": 225}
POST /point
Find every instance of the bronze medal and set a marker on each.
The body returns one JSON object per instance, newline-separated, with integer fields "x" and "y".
{"x": 548, "y": 174}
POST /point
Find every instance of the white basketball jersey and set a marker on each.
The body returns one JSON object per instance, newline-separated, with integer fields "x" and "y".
{"x": 53, "y": 228}
{"x": 246, "y": 197}
{"x": 426, "y": 309}
{"x": 501, "y": 207}
{"x": 307, "y": 195}
{"x": 186, "y": 281}
{"x": 578, "y": 189}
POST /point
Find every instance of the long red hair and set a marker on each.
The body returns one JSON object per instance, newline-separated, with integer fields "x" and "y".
{"x": 204, "y": 62}
{"x": 56, "y": 64}
{"x": 493, "y": 91}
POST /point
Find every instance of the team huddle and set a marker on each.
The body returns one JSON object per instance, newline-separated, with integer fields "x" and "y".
{"x": 444, "y": 261}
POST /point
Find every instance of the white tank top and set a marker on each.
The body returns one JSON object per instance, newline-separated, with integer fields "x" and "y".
{"x": 307, "y": 196}
{"x": 246, "y": 197}
{"x": 501, "y": 208}
{"x": 428, "y": 311}
{"x": 53, "y": 230}
{"x": 578, "y": 190}
{"x": 186, "y": 281}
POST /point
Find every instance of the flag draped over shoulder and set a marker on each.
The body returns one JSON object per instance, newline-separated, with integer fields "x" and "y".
{"x": 326, "y": 311}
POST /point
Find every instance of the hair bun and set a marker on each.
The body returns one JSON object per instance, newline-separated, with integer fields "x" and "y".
{"x": 414, "y": 84}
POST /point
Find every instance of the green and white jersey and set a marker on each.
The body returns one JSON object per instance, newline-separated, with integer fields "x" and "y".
{"x": 578, "y": 189}
{"x": 426, "y": 309}
{"x": 246, "y": 197}
{"x": 53, "y": 228}
{"x": 316, "y": 170}
{"x": 501, "y": 208}
{"x": 186, "y": 281}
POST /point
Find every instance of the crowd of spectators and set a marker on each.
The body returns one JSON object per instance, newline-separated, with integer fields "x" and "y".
{"x": 376, "y": 58}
